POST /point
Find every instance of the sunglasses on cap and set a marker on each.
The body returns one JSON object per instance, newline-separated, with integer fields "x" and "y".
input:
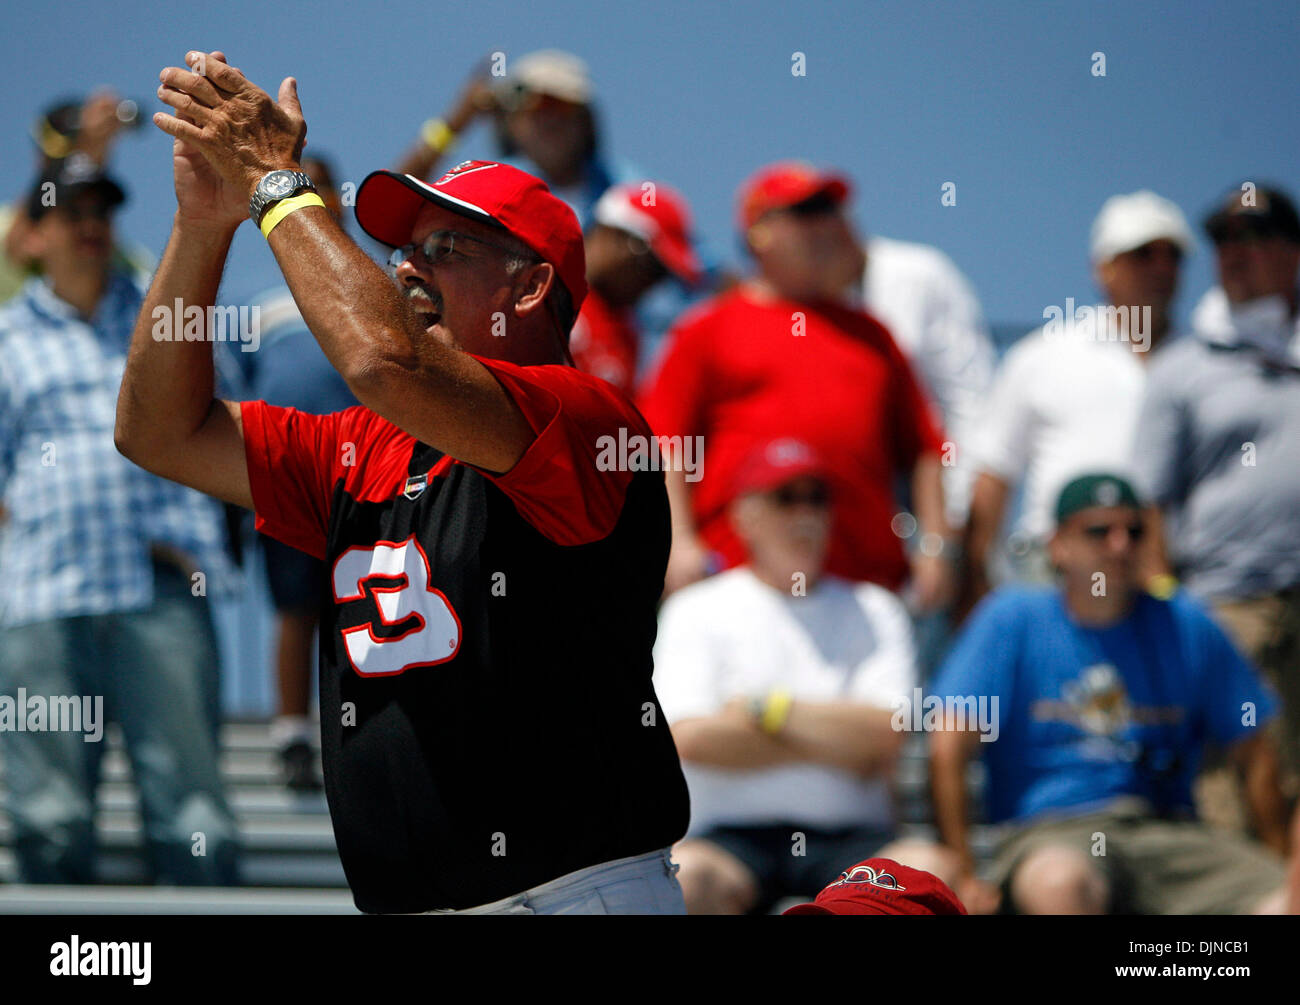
{"x": 821, "y": 204}
{"x": 1102, "y": 531}
{"x": 437, "y": 248}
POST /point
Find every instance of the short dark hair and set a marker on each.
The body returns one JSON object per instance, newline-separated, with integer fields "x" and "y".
{"x": 560, "y": 299}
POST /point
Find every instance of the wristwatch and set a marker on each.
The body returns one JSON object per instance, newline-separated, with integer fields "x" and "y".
{"x": 275, "y": 186}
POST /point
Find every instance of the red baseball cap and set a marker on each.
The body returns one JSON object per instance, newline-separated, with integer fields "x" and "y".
{"x": 388, "y": 203}
{"x": 883, "y": 886}
{"x": 777, "y": 463}
{"x": 658, "y": 215}
{"x": 785, "y": 184}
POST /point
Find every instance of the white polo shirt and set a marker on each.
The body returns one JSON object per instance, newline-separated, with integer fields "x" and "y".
{"x": 933, "y": 314}
{"x": 733, "y": 635}
{"x": 1063, "y": 404}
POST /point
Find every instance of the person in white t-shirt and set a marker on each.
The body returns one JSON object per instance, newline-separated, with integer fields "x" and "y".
{"x": 1066, "y": 397}
{"x": 780, "y": 684}
{"x": 932, "y": 312}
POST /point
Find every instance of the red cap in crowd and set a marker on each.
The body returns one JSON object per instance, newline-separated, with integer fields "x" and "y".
{"x": 883, "y": 886}
{"x": 388, "y": 203}
{"x": 657, "y": 215}
{"x": 786, "y": 184}
{"x": 777, "y": 463}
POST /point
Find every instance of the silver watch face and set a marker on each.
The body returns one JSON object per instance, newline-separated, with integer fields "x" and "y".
{"x": 278, "y": 184}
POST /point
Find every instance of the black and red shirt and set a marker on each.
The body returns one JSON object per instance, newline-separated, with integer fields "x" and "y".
{"x": 488, "y": 722}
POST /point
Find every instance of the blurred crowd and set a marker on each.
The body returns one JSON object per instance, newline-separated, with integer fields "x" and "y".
{"x": 1078, "y": 563}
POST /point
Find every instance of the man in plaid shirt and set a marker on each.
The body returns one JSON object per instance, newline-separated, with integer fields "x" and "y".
{"x": 104, "y": 570}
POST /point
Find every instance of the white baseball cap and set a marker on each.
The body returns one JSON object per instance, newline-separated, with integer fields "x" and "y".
{"x": 552, "y": 71}
{"x": 1130, "y": 221}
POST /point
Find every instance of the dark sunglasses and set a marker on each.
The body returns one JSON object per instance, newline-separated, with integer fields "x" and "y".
{"x": 1101, "y": 531}
{"x": 1148, "y": 252}
{"x": 787, "y": 497}
{"x": 822, "y": 204}
{"x": 1243, "y": 230}
{"x": 76, "y": 212}
{"x": 437, "y": 248}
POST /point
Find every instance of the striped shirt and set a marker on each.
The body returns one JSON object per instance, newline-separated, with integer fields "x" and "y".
{"x": 80, "y": 519}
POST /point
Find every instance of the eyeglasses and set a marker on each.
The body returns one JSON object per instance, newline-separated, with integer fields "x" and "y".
{"x": 437, "y": 248}
{"x": 787, "y": 497}
{"x": 1101, "y": 531}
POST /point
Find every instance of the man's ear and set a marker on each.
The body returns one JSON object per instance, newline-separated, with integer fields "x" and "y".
{"x": 531, "y": 287}
{"x": 744, "y": 517}
{"x": 759, "y": 236}
{"x": 26, "y": 241}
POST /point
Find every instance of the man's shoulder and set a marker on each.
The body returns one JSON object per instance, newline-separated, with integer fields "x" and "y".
{"x": 1019, "y": 603}
{"x": 912, "y": 260}
{"x": 727, "y": 591}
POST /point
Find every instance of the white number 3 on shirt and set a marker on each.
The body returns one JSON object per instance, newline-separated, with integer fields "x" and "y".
{"x": 398, "y": 577}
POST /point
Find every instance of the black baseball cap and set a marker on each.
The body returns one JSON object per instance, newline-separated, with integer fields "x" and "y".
{"x": 69, "y": 177}
{"x": 1271, "y": 213}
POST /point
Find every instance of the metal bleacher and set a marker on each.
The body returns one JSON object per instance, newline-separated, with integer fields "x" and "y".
{"x": 290, "y": 864}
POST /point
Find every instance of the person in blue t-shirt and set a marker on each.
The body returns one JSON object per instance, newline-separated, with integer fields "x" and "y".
{"x": 1102, "y": 699}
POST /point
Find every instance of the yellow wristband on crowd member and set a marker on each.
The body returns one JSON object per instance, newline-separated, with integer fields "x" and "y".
{"x": 1163, "y": 586}
{"x": 437, "y": 135}
{"x": 286, "y": 206}
{"x": 776, "y": 711}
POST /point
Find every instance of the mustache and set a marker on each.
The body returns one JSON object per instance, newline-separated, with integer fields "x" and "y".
{"x": 420, "y": 292}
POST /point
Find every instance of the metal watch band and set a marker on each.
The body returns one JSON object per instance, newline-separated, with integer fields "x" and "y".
{"x": 260, "y": 202}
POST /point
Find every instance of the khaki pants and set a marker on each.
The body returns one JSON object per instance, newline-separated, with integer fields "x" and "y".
{"x": 1267, "y": 630}
{"x": 1152, "y": 865}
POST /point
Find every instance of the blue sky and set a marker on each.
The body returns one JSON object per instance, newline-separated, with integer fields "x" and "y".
{"x": 902, "y": 96}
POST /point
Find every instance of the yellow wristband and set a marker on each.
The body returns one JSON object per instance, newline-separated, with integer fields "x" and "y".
{"x": 1163, "y": 586}
{"x": 286, "y": 206}
{"x": 437, "y": 135}
{"x": 776, "y": 710}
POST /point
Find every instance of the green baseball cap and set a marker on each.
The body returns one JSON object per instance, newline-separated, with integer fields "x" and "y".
{"x": 1101, "y": 489}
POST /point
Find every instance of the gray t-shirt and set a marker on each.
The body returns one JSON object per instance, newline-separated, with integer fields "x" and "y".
{"x": 1218, "y": 447}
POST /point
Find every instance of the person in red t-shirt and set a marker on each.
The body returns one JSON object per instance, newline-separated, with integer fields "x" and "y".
{"x": 641, "y": 235}
{"x": 781, "y": 355}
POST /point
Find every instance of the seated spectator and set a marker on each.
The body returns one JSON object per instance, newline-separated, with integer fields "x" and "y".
{"x": 882, "y": 886}
{"x": 640, "y": 236}
{"x": 783, "y": 355}
{"x": 778, "y": 681}
{"x": 1106, "y": 696}
{"x": 1066, "y": 397}
{"x": 1218, "y": 452}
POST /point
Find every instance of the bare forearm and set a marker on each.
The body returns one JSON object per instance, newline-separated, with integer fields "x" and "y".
{"x": 857, "y": 738}
{"x": 167, "y": 388}
{"x": 948, "y": 790}
{"x": 927, "y": 496}
{"x": 419, "y": 160}
{"x": 1261, "y": 776}
{"x": 726, "y": 742}
{"x": 370, "y": 335}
